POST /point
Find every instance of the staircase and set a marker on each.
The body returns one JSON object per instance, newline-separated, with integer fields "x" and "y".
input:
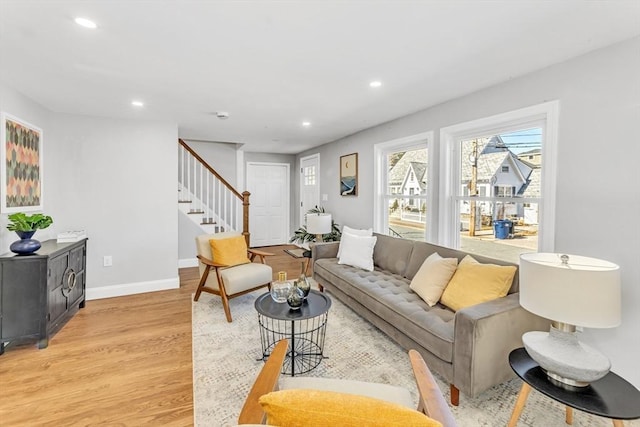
{"x": 207, "y": 198}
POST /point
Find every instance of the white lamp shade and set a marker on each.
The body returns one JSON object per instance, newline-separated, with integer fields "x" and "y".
{"x": 582, "y": 292}
{"x": 319, "y": 223}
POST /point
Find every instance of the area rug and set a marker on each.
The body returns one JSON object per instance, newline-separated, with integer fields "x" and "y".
{"x": 225, "y": 364}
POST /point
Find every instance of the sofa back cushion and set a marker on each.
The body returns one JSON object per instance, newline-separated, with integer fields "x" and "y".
{"x": 392, "y": 254}
{"x": 421, "y": 250}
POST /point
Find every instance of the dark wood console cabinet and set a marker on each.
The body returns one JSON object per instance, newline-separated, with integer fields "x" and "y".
{"x": 39, "y": 293}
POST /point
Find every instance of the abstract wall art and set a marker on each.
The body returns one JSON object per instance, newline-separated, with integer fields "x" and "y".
{"x": 21, "y": 163}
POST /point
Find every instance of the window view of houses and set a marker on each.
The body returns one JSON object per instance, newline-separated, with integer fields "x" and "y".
{"x": 497, "y": 200}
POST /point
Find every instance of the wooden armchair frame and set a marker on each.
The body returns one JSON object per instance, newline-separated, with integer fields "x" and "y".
{"x": 221, "y": 291}
{"x": 431, "y": 402}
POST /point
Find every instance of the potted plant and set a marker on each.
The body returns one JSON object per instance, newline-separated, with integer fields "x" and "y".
{"x": 25, "y": 226}
{"x": 301, "y": 235}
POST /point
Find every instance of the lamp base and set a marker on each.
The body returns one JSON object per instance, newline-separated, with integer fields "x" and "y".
{"x": 568, "y": 362}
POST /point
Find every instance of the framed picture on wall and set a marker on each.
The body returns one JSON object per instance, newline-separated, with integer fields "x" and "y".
{"x": 21, "y": 165}
{"x": 349, "y": 175}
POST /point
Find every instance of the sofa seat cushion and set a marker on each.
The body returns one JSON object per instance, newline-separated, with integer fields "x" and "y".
{"x": 390, "y": 297}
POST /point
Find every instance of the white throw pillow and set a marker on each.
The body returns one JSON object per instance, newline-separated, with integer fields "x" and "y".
{"x": 432, "y": 277}
{"x": 354, "y": 232}
{"x": 357, "y": 251}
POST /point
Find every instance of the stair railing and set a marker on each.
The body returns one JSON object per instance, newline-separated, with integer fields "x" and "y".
{"x": 217, "y": 200}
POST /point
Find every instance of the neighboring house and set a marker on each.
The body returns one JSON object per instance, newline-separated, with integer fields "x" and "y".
{"x": 408, "y": 176}
{"x": 533, "y": 157}
{"x": 499, "y": 173}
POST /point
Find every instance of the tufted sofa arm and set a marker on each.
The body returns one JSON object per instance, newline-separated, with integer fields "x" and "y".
{"x": 484, "y": 335}
{"x": 324, "y": 250}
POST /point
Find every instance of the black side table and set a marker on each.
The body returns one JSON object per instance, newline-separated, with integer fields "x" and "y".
{"x": 610, "y": 397}
{"x": 304, "y": 328}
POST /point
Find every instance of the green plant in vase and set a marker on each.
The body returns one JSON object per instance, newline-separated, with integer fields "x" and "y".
{"x": 301, "y": 235}
{"x": 25, "y": 227}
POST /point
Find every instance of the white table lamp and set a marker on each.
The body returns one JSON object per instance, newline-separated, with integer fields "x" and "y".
{"x": 318, "y": 224}
{"x": 570, "y": 291}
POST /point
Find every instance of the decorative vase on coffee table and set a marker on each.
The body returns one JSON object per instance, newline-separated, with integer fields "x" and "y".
{"x": 303, "y": 282}
{"x": 296, "y": 297}
{"x": 281, "y": 288}
{"x": 26, "y": 245}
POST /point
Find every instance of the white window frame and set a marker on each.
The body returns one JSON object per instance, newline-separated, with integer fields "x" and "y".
{"x": 544, "y": 116}
{"x": 380, "y": 202}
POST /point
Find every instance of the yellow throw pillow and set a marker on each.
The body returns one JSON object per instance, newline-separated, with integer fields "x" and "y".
{"x": 473, "y": 283}
{"x": 230, "y": 251}
{"x": 316, "y": 408}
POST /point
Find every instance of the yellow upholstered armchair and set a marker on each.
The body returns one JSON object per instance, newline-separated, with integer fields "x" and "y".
{"x": 236, "y": 273}
{"x": 342, "y": 402}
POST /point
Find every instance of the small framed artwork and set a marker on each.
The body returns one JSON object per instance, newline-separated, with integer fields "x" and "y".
{"x": 21, "y": 165}
{"x": 349, "y": 175}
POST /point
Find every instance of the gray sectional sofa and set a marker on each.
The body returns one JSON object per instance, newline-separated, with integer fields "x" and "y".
{"x": 468, "y": 348}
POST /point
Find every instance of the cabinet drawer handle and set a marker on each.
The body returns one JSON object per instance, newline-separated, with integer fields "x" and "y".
{"x": 70, "y": 282}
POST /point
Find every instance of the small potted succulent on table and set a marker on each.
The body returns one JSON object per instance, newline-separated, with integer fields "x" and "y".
{"x": 25, "y": 226}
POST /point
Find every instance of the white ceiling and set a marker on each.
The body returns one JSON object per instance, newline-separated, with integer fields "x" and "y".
{"x": 273, "y": 64}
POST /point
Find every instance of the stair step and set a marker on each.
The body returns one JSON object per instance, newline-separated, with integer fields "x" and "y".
{"x": 207, "y": 221}
{"x": 184, "y": 201}
{"x": 196, "y": 212}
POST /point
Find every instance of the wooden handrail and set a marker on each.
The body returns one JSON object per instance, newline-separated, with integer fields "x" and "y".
{"x": 210, "y": 169}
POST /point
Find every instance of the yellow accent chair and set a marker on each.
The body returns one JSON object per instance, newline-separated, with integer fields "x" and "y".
{"x": 388, "y": 398}
{"x": 230, "y": 281}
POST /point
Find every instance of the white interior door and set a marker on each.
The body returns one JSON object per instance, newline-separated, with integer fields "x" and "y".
{"x": 309, "y": 184}
{"x": 268, "y": 184}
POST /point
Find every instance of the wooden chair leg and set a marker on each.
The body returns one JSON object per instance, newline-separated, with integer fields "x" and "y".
{"x": 203, "y": 280}
{"x": 454, "y": 395}
{"x": 223, "y": 295}
{"x": 618, "y": 423}
{"x": 568, "y": 415}
{"x": 517, "y": 410}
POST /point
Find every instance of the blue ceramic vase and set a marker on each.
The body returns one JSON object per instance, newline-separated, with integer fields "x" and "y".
{"x": 26, "y": 245}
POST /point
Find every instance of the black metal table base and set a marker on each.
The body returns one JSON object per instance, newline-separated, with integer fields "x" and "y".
{"x": 305, "y": 329}
{"x": 306, "y": 341}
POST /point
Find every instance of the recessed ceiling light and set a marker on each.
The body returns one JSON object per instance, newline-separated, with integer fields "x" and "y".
{"x": 306, "y": 124}
{"x": 375, "y": 83}
{"x": 87, "y": 23}
{"x": 137, "y": 103}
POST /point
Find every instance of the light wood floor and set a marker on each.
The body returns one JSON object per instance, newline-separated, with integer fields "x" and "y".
{"x": 122, "y": 361}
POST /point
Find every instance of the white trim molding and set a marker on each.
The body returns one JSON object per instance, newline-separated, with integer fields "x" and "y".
{"x": 132, "y": 288}
{"x": 187, "y": 262}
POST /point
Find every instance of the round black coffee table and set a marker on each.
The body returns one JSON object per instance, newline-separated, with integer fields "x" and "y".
{"x": 304, "y": 328}
{"x": 610, "y": 397}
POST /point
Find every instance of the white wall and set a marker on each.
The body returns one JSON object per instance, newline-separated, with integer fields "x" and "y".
{"x": 598, "y": 192}
{"x": 117, "y": 180}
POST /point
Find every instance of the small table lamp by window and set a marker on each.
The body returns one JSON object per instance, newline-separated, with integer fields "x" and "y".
{"x": 570, "y": 291}
{"x": 318, "y": 224}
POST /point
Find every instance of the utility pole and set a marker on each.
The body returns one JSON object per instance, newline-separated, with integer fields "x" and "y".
{"x": 473, "y": 187}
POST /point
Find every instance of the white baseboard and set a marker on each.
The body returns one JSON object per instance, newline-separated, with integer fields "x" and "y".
{"x": 189, "y": 262}
{"x": 132, "y": 288}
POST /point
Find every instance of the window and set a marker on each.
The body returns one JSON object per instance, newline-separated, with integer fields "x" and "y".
{"x": 403, "y": 165}
{"x": 504, "y": 191}
{"x": 310, "y": 175}
{"x": 490, "y": 157}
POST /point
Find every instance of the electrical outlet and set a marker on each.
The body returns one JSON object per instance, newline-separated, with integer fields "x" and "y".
{"x": 107, "y": 261}
{"x": 325, "y": 197}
